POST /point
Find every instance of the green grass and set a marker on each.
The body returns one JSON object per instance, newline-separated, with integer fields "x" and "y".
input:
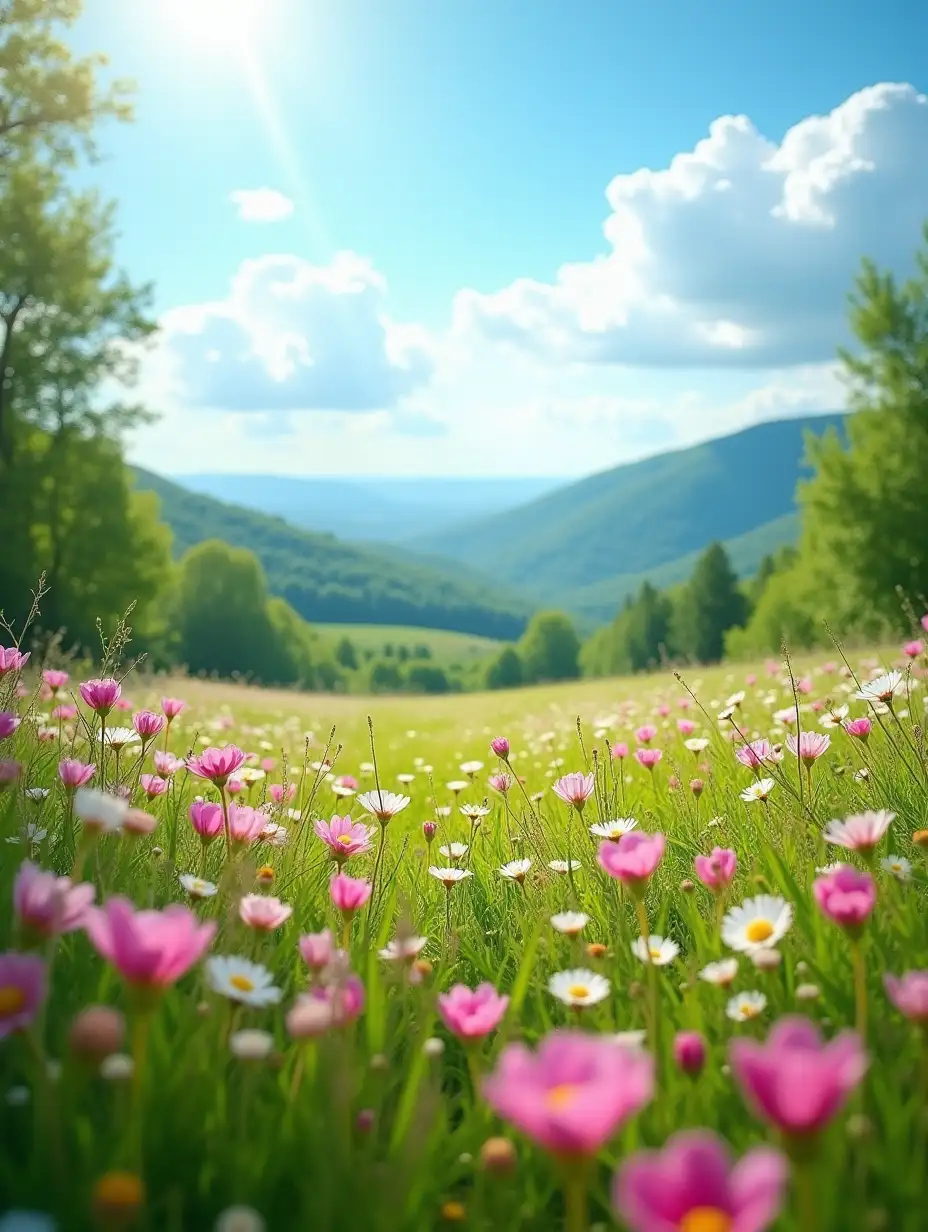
{"x": 446, "y": 646}
{"x": 208, "y": 1131}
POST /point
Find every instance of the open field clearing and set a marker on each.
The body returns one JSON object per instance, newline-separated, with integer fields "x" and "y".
{"x": 444, "y": 645}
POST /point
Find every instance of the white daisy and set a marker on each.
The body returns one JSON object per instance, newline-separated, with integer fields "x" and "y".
{"x": 470, "y": 768}
{"x": 251, "y": 1045}
{"x": 835, "y": 716}
{"x": 454, "y": 851}
{"x": 660, "y": 950}
{"x": 570, "y": 923}
{"x": 760, "y": 789}
{"x": 720, "y": 973}
{"x": 696, "y": 744}
{"x": 450, "y": 876}
{"x": 474, "y": 813}
{"x": 405, "y": 779}
{"x": 403, "y": 949}
{"x": 515, "y": 870}
{"x": 560, "y": 866}
{"x": 383, "y": 804}
{"x": 745, "y": 1006}
{"x": 457, "y": 786}
{"x": 196, "y": 887}
{"x": 98, "y": 810}
{"x": 339, "y": 789}
{"x": 249, "y": 775}
{"x": 36, "y": 794}
{"x": 757, "y": 923}
{"x": 579, "y": 987}
{"x": 628, "y": 1039}
{"x": 613, "y": 829}
{"x": 899, "y": 866}
{"x": 274, "y": 834}
{"x": 443, "y": 810}
{"x": 239, "y": 979}
{"x": 119, "y": 738}
{"x": 882, "y": 689}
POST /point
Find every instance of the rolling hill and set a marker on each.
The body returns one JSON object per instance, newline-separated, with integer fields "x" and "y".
{"x": 586, "y": 545}
{"x": 329, "y": 581}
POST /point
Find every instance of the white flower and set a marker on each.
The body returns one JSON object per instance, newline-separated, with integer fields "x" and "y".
{"x": 827, "y": 869}
{"x": 36, "y": 794}
{"x": 403, "y": 949}
{"x": 745, "y": 1006}
{"x": 899, "y": 866}
{"x": 434, "y": 1047}
{"x": 274, "y": 835}
{"x": 882, "y": 689}
{"x": 249, "y": 775}
{"x": 117, "y": 1067}
{"x": 758, "y": 790}
{"x": 405, "y": 779}
{"x": 835, "y": 716}
{"x": 735, "y": 700}
{"x": 579, "y": 987}
{"x": 859, "y": 832}
{"x": 757, "y": 922}
{"x": 696, "y": 744}
{"x": 454, "y": 851}
{"x": 119, "y": 738}
{"x": 515, "y": 870}
{"x": 383, "y": 804}
{"x": 240, "y": 1219}
{"x": 660, "y": 950}
{"x": 560, "y": 866}
{"x": 450, "y": 876}
{"x": 470, "y": 768}
{"x": 458, "y": 785}
{"x": 196, "y": 887}
{"x": 99, "y": 810}
{"x": 251, "y": 1045}
{"x": 339, "y": 789}
{"x": 474, "y": 812}
{"x": 720, "y": 973}
{"x": 808, "y": 992}
{"x": 570, "y": 923}
{"x": 613, "y": 829}
{"x": 239, "y": 979}
{"x": 628, "y": 1039}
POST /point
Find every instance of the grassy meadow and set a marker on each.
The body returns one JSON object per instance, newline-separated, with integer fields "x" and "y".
{"x": 445, "y": 646}
{"x": 333, "y": 1090}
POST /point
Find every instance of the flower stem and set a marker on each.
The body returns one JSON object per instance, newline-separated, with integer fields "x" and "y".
{"x": 140, "y": 1032}
{"x": 576, "y": 1206}
{"x": 225, "y": 822}
{"x": 803, "y": 1176}
{"x": 860, "y": 989}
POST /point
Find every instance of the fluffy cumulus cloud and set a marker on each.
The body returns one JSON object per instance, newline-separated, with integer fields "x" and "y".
{"x": 292, "y": 336}
{"x": 740, "y": 253}
{"x": 261, "y": 204}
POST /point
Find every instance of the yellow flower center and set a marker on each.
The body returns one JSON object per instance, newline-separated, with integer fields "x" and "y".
{"x": 344, "y": 838}
{"x": 579, "y": 991}
{"x": 12, "y": 1000}
{"x": 117, "y": 1192}
{"x": 759, "y": 930}
{"x": 749, "y": 1010}
{"x": 242, "y": 983}
{"x": 654, "y": 953}
{"x": 705, "y": 1219}
{"x": 562, "y": 1095}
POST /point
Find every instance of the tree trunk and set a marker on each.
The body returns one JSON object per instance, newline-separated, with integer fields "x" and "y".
{"x": 6, "y": 351}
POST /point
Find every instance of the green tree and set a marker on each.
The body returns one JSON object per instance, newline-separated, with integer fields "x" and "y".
{"x": 385, "y": 677}
{"x": 345, "y": 654}
{"x": 550, "y": 648}
{"x": 426, "y": 678}
{"x": 711, "y": 603}
{"x": 505, "y": 670}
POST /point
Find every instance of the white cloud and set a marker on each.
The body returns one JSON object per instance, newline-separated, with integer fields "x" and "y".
{"x": 292, "y": 336}
{"x": 740, "y": 253}
{"x": 261, "y": 204}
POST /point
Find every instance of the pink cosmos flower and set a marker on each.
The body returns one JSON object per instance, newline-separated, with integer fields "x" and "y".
{"x": 648, "y": 757}
{"x": 429, "y": 830}
{"x": 268, "y": 764}
{"x": 22, "y": 991}
{"x": 909, "y": 994}
{"x": 10, "y": 772}
{"x": 808, "y": 746}
{"x": 47, "y": 904}
{"x": 345, "y": 996}
{"x": 913, "y": 649}
{"x": 619, "y": 751}
{"x": 139, "y": 823}
{"x": 74, "y": 773}
{"x": 347, "y": 781}
{"x": 317, "y": 949}
{"x": 472, "y": 1013}
{"x": 575, "y": 789}
{"x": 574, "y": 1093}
{"x": 246, "y": 825}
{"x": 794, "y": 1080}
{"x": 8, "y": 724}
{"x": 645, "y": 734}
{"x": 349, "y": 894}
{"x": 206, "y": 819}
{"x": 54, "y": 679}
{"x": 263, "y": 913}
{"x": 344, "y": 837}
{"x": 846, "y": 896}
{"x": 691, "y": 1184}
{"x": 689, "y": 1051}
{"x": 500, "y": 783}
{"x": 64, "y": 713}
{"x": 308, "y": 1018}
{"x": 166, "y": 764}
{"x": 860, "y": 832}
{"x": 153, "y": 785}
{"x": 234, "y": 787}
{"x": 860, "y": 728}
{"x": 101, "y": 694}
{"x": 147, "y": 723}
{"x": 217, "y": 765}
{"x": 149, "y": 949}
{"x": 500, "y": 746}
{"x": 716, "y": 870}
{"x": 12, "y": 659}
{"x": 281, "y": 794}
{"x": 172, "y": 707}
{"x": 633, "y": 859}
{"x": 686, "y": 727}
{"x": 756, "y": 754}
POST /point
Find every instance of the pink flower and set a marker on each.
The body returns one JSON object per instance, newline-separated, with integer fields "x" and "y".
{"x": 633, "y": 859}
{"x": 689, "y": 1051}
{"x": 345, "y": 997}
{"x": 74, "y": 773}
{"x": 246, "y": 825}
{"x": 234, "y": 787}
{"x": 54, "y": 679}
{"x": 716, "y": 870}
{"x": 573, "y": 1094}
{"x": 139, "y": 823}
{"x": 47, "y": 904}
{"x": 429, "y": 830}
{"x": 206, "y": 819}
{"x": 859, "y": 832}
{"x": 686, "y": 727}
{"x": 472, "y": 1013}
{"x": 9, "y": 773}
{"x": 281, "y": 794}
{"x": 619, "y": 751}
{"x": 691, "y": 1185}
{"x": 166, "y": 764}
{"x": 347, "y": 781}
{"x": 909, "y": 994}
{"x": 648, "y": 757}
{"x": 317, "y": 949}
{"x": 663, "y": 710}
{"x": 860, "y": 728}
{"x": 101, "y": 694}
{"x": 268, "y": 764}
{"x": 308, "y": 1018}
{"x": 756, "y": 754}
{"x": 8, "y": 724}
{"x": 913, "y": 649}
{"x": 217, "y": 765}
{"x": 575, "y": 789}
{"x": 22, "y": 990}
{"x": 808, "y": 746}
{"x": 12, "y": 659}
{"x": 149, "y": 949}
{"x": 500, "y": 746}
{"x": 500, "y": 783}
{"x": 793, "y": 1079}
{"x": 349, "y": 894}
{"x": 846, "y": 896}
{"x": 344, "y": 837}
{"x": 153, "y": 785}
{"x": 65, "y": 713}
{"x": 263, "y": 913}
{"x": 645, "y": 734}
{"x": 147, "y": 723}
{"x": 172, "y": 707}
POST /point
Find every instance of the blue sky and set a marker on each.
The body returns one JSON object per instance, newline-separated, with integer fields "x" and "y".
{"x": 436, "y": 292}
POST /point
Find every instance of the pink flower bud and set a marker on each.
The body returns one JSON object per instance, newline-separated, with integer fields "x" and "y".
{"x": 689, "y": 1051}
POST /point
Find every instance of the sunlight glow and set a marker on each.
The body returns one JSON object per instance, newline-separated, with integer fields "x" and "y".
{"x": 216, "y": 25}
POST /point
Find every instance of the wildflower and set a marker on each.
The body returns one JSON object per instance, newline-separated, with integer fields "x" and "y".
{"x": 384, "y": 805}
{"x": 246, "y": 825}
{"x": 101, "y": 695}
{"x": 74, "y": 773}
{"x": 757, "y": 922}
{"x": 55, "y": 679}
{"x": 716, "y": 870}
{"x": 619, "y": 751}
{"x": 765, "y": 959}
{"x": 860, "y": 832}
{"x": 22, "y": 991}
{"x": 648, "y": 758}
{"x": 909, "y": 994}
{"x": 344, "y": 996}
{"x": 859, "y": 728}
{"x": 575, "y": 789}
{"x": 458, "y": 785}
{"x": 697, "y": 745}
{"x": 118, "y": 1067}
{"x": 691, "y": 1185}
{"x": 595, "y": 949}
{"x": 835, "y": 716}
{"x": 756, "y": 754}
{"x": 745, "y": 1006}
{"x": 309, "y": 1017}
{"x": 759, "y": 790}
{"x": 434, "y": 1048}
{"x": 196, "y": 887}
{"x": 629, "y": 1039}
{"x": 571, "y": 1095}
{"x": 429, "y": 830}
{"x": 808, "y": 746}
{"x": 689, "y": 1051}
{"x": 613, "y": 830}
{"x": 240, "y": 1219}
{"x": 150, "y": 949}
{"x": 172, "y": 707}
{"x": 794, "y": 1080}
{"x": 153, "y": 785}
{"x": 47, "y": 904}
{"x": 500, "y": 783}
{"x": 564, "y": 866}
{"x": 882, "y": 689}
{"x": 404, "y": 949}
{"x": 239, "y": 979}
{"x": 898, "y": 866}
{"x": 453, "y": 851}
{"x": 10, "y": 772}
{"x": 206, "y": 819}
{"x": 449, "y": 876}
{"x": 579, "y": 987}
{"x": 633, "y": 859}
{"x": 117, "y": 1196}
{"x": 96, "y": 1033}
{"x": 217, "y": 764}
{"x": 686, "y": 727}
{"x": 515, "y": 870}
{"x": 166, "y": 764}
{"x": 659, "y": 950}
{"x": 349, "y": 894}
{"x": 846, "y": 896}
{"x": 8, "y": 724}
{"x": 344, "y": 837}
{"x": 500, "y": 748}
{"x": 646, "y": 733}
{"x": 262, "y": 912}
{"x": 498, "y": 1155}
{"x": 808, "y": 992}
{"x": 147, "y": 724}
{"x": 474, "y": 813}
{"x": 472, "y": 1013}
{"x": 471, "y": 768}
{"x": 570, "y": 923}
{"x": 317, "y": 949}
{"x": 251, "y": 1045}
{"x": 99, "y": 811}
